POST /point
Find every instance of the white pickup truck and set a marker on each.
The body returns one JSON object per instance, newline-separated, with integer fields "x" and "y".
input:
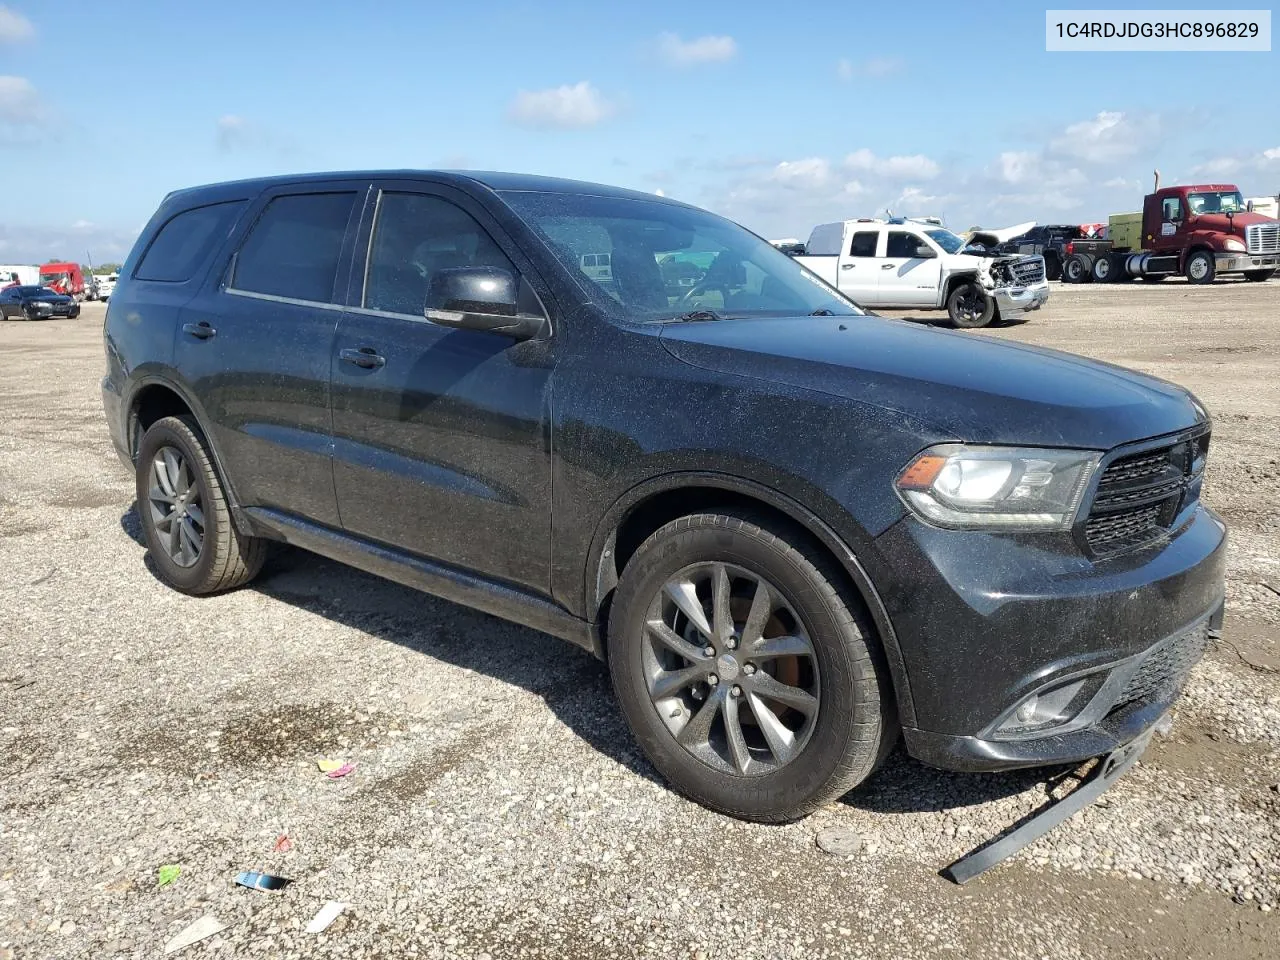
{"x": 916, "y": 264}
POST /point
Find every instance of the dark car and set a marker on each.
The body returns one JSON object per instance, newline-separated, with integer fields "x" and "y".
{"x": 797, "y": 533}
{"x": 36, "y": 303}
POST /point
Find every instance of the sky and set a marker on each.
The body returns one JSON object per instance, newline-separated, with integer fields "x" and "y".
{"x": 778, "y": 115}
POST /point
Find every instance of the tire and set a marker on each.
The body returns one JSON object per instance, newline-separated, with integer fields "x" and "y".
{"x": 1259, "y": 276}
{"x": 1076, "y": 269}
{"x": 838, "y": 742}
{"x": 224, "y": 559}
{"x": 1103, "y": 270}
{"x": 1200, "y": 267}
{"x": 962, "y": 307}
{"x": 74, "y": 314}
{"x": 1052, "y": 268}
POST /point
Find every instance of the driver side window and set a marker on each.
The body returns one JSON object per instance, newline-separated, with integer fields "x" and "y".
{"x": 1172, "y": 208}
{"x": 414, "y": 236}
{"x": 903, "y": 245}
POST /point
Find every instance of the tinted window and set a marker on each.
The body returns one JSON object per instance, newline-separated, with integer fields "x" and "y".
{"x": 902, "y": 245}
{"x": 414, "y": 236}
{"x": 294, "y": 247}
{"x": 185, "y": 240}
{"x": 1173, "y": 208}
{"x": 864, "y": 244}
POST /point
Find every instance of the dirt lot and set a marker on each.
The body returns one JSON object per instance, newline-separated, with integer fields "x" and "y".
{"x": 498, "y": 807}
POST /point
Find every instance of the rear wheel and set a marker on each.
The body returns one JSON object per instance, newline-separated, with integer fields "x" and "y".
{"x": 1076, "y": 269}
{"x": 1259, "y": 276}
{"x": 751, "y": 684}
{"x": 970, "y": 307}
{"x": 1201, "y": 267}
{"x": 185, "y": 517}
{"x": 1104, "y": 270}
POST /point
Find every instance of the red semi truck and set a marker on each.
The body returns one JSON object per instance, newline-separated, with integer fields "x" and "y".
{"x": 1199, "y": 231}
{"x": 64, "y": 278}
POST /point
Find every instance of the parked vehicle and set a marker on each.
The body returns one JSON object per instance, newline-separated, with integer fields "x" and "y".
{"x": 19, "y": 274}
{"x": 36, "y": 303}
{"x": 909, "y": 263}
{"x": 65, "y": 278}
{"x": 1053, "y": 241}
{"x": 105, "y": 285}
{"x": 1267, "y": 206}
{"x": 795, "y": 532}
{"x": 1200, "y": 231}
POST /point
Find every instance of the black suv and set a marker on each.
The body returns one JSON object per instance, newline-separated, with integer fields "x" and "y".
{"x": 795, "y": 532}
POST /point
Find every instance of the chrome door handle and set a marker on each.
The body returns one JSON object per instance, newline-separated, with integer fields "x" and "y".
{"x": 846, "y": 266}
{"x": 365, "y": 358}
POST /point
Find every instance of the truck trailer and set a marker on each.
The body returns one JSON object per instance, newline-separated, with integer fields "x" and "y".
{"x": 1200, "y": 231}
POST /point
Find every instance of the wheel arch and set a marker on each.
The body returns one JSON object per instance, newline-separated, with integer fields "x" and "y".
{"x": 155, "y": 397}
{"x": 954, "y": 280}
{"x": 655, "y": 502}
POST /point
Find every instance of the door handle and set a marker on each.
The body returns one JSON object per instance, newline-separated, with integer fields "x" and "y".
{"x": 366, "y": 358}
{"x": 846, "y": 266}
{"x": 201, "y": 330}
{"x": 888, "y": 266}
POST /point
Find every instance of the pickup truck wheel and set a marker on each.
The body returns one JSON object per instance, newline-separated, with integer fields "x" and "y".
{"x": 1076, "y": 269}
{"x": 1201, "y": 267}
{"x": 1052, "y": 268}
{"x": 970, "y": 307}
{"x": 1259, "y": 276}
{"x": 185, "y": 518}
{"x": 749, "y": 682}
{"x": 1103, "y": 270}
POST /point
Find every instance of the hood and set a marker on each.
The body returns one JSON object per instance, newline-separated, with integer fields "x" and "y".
{"x": 49, "y": 298}
{"x": 968, "y": 387}
{"x": 990, "y": 238}
{"x": 1219, "y": 223}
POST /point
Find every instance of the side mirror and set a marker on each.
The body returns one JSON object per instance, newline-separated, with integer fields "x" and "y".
{"x": 483, "y": 298}
{"x": 925, "y": 252}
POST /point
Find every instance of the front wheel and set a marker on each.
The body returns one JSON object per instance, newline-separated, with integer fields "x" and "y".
{"x": 1201, "y": 267}
{"x": 970, "y": 307}
{"x": 1259, "y": 276}
{"x": 750, "y": 683}
{"x": 185, "y": 517}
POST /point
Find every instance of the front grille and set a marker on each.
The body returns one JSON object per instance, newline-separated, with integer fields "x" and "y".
{"x": 1028, "y": 271}
{"x": 1262, "y": 237}
{"x": 1164, "y": 670}
{"x": 1139, "y": 496}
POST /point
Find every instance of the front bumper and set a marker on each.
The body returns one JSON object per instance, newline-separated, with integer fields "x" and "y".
{"x": 1015, "y": 302}
{"x": 983, "y": 620}
{"x": 1240, "y": 262}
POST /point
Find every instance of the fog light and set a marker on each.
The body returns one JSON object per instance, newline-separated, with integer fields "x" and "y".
{"x": 1049, "y": 708}
{"x": 1027, "y": 711}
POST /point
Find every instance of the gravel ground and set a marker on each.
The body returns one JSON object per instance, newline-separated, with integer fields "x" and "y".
{"x": 498, "y": 808}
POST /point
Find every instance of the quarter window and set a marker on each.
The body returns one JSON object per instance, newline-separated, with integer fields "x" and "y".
{"x": 415, "y": 236}
{"x": 864, "y": 244}
{"x": 293, "y": 249}
{"x": 185, "y": 241}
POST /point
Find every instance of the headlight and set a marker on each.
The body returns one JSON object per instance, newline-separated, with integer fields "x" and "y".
{"x": 1231, "y": 243}
{"x": 997, "y": 488}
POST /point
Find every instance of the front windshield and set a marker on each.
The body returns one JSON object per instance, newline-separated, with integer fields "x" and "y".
{"x": 1215, "y": 201}
{"x": 660, "y": 261}
{"x": 947, "y": 240}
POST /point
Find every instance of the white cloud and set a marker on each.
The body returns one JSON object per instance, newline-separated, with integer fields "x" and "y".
{"x": 874, "y": 68}
{"x": 914, "y": 166}
{"x": 1107, "y": 137}
{"x": 685, "y": 53}
{"x": 561, "y": 108}
{"x": 232, "y": 131}
{"x": 36, "y": 244}
{"x": 1272, "y": 154}
{"x": 14, "y": 27}
{"x": 24, "y": 118}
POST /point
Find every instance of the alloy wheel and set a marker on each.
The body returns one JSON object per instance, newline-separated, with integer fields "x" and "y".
{"x": 730, "y": 669}
{"x": 176, "y": 510}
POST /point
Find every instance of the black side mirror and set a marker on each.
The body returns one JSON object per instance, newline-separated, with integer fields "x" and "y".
{"x": 925, "y": 252}
{"x": 484, "y": 298}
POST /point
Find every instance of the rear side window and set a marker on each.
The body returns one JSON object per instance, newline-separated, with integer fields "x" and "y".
{"x": 293, "y": 249}
{"x": 185, "y": 241}
{"x": 415, "y": 236}
{"x": 864, "y": 244}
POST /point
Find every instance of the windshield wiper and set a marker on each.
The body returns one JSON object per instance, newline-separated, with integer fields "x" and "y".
{"x": 823, "y": 312}
{"x": 693, "y": 316}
